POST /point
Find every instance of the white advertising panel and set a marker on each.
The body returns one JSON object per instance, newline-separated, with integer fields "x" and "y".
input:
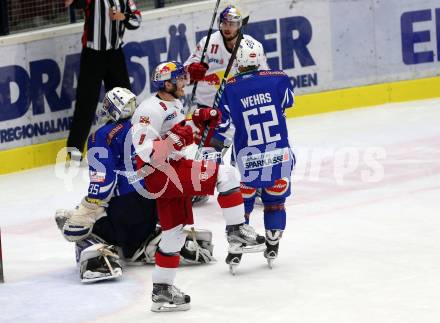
{"x": 321, "y": 44}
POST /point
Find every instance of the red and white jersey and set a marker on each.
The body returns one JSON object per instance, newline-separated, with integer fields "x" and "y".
{"x": 151, "y": 120}
{"x": 217, "y": 57}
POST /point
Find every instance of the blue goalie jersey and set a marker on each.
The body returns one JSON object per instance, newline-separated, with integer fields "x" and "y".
{"x": 107, "y": 160}
{"x": 253, "y": 114}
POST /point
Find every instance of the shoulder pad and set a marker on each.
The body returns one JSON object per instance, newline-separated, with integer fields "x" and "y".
{"x": 113, "y": 132}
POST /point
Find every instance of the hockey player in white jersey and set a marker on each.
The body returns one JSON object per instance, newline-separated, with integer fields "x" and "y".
{"x": 160, "y": 134}
{"x": 114, "y": 220}
{"x": 209, "y": 74}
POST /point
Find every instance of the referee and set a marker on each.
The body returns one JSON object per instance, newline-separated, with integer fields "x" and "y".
{"x": 102, "y": 59}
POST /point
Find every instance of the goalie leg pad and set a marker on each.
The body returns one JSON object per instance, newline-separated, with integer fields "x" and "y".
{"x": 99, "y": 262}
{"x": 198, "y": 248}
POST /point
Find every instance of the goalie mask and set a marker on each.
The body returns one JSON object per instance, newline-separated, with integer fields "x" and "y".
{"x": 250, "y": 53}
{"x": 119, "y": 103}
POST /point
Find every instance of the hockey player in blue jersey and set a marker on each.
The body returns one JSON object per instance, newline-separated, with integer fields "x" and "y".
{"x": 114, "y": 215}
{"x": 253, "y": 116}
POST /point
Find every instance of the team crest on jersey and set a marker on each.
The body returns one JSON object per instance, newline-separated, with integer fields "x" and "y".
{"x": 144, "y": 120}
{"x": 163, "y": 105}
{"x": 279, "y": 188}
{"x": 247, "y": 192}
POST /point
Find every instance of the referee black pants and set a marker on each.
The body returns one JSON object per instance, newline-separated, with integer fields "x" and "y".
{"x": 95, "y": 66}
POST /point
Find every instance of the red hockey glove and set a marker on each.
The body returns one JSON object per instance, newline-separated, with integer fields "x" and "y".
{"x": 180, "y": 136}
{"x": 206, "y": 116}
{"x": 197, "y": 71}
{"x": 176, "y": 138}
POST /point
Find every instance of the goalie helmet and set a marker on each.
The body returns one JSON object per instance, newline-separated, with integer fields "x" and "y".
{"x": 231, "y": 14}
{"x": 167, "y": 71}
{"x": 119, "y": 103}
{"x": 249, "y": 53}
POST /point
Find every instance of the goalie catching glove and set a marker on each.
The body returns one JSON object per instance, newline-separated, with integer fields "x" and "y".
{"x": 77, "y": 224}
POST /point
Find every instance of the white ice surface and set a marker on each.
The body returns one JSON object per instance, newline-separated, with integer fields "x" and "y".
{"x": 354, "y": 250}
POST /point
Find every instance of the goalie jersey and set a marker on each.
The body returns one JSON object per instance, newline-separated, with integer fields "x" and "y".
{"x": 253, "y": 116}
{"x": 108, "y": 162}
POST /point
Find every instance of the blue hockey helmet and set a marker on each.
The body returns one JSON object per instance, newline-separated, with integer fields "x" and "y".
{"x": 167, "y": 71}
{"x": 231, "y": 14}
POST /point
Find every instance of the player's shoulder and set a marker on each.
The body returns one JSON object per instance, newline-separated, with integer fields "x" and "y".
{"x": 249, "y": 37}
{"x": 277, "y": 73}
{"x": 145, "y": 104}
{"x": 109, "y": 131}
{"x": 151, "y": 106}
{"x": 215, "y": 36}
{"x": 274, "y": 76}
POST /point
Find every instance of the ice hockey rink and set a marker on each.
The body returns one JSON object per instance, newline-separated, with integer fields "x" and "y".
{"x": 362, "y": 242}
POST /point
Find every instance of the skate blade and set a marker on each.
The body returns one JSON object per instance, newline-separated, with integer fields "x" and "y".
{"x": 233, "y": 269}
{"x": 96, "y": 278}
{"x": 254, "y": 248}
{"x": 169, "y": 307}
{"x": 270, "y": 262}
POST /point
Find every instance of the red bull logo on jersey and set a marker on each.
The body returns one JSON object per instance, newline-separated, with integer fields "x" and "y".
{"x": 213, "y": 79}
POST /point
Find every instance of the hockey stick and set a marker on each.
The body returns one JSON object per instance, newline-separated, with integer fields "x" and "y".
{"x": 205, "y": 48}
{"x": 221, "y": 89}
{"x": 2, "y": 278}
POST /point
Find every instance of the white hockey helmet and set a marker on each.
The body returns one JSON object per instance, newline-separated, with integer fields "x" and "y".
{"x": 119, "y": 103}
{"x": 230, "y": 14}
{"x": 249, "y": 53}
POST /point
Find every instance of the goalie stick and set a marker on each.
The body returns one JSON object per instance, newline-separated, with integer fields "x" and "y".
{"x": 221, "y": 89}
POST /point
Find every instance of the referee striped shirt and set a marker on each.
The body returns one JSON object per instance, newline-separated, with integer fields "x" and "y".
{"x": 100, "y": 31}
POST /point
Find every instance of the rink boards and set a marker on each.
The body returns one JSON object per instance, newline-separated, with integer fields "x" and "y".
{"x": 339, "y": 55}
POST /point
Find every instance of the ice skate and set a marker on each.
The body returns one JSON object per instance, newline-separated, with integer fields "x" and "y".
{"x": 242, "y": 238}
{"x": 233, "y": 260}
{"x": 168, "y": 298}
{"x": 272, "y": 244}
